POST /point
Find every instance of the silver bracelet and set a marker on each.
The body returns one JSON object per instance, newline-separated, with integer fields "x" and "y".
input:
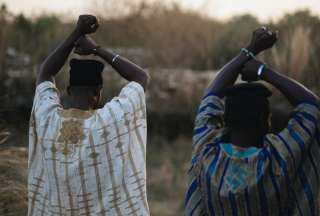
{"x": 115, "y": 58}
{"x": 95, "y": 50}
{"x": 260, "y": 70}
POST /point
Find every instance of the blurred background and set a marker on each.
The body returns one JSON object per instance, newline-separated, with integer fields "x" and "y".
{"x": 181, "y": 43}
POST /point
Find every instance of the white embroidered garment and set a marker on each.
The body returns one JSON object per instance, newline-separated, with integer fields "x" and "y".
{"x": 88, "y": 162}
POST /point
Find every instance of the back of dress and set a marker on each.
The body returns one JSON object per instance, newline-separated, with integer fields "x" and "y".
{"x": 88, "y": 162}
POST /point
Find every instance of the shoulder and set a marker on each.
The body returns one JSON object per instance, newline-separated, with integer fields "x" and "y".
{"x": 43, "y": 86}
{"x": 307, "y": 109}
{"x": 132, "y": 88}
{"x": 131, "y": 100}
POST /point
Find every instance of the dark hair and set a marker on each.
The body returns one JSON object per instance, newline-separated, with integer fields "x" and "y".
{"x": 245, "y": 104}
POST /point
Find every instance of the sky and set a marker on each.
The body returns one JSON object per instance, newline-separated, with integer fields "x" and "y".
{"x": 222, "y": 9}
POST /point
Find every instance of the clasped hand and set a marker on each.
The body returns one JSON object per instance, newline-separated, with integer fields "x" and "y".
{"x": 262, "y": 39}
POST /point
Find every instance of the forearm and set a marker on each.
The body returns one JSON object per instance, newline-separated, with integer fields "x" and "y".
{"x": 55, "y": 61}
{"x": 227, "y": 75}
{"x": 293, "y": 90}
{"x": 124, "y": 67}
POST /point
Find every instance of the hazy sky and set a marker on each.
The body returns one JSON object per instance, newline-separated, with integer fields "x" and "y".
{"x": 217, "y": 8}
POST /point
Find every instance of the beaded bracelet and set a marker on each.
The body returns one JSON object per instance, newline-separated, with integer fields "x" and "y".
{"x": 248, "y": 53}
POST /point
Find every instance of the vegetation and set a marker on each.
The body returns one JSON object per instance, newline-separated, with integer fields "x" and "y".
{"x": 181, "y": 49}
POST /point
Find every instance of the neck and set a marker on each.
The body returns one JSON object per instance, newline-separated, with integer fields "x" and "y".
{"x": 246, "y": 138}
{"x": 81, "y": 103}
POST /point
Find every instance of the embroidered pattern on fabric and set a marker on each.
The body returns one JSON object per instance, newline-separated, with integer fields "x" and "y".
{"x": 71, "y": 134}
{"x": 236, "y": 177}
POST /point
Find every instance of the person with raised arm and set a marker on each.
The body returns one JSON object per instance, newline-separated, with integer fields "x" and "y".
{"x": 238, "y": 166}
{"x": 85, "y": 159}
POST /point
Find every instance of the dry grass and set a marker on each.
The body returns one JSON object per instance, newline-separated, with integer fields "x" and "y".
{"x": 294, "y": 57}
{"x": 13, "y": 191}
{"x": 167, "y": 167}
{"x": 4, "y": 136}
{"x": 13, "y": 176}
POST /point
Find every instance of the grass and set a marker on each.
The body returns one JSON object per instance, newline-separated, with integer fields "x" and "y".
{"x": 13, "y": 193}
{"x": 167, "y": 167}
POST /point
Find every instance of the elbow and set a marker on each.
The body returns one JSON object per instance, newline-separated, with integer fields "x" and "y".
{"x": 147, "y": 79}
{"x": 317, "y": 101}
{"x": 43, "y": 74}
{"x": 41, "y": 68}
{"x": 40, "y": 73}
{"x": 144, "y": 79}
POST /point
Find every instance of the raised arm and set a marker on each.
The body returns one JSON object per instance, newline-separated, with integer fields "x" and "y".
{"x": 262, "y": 39}
{"x": 123, "y": 66}
{"x": 227, "y": 75}
{"x": 293, "y": 90}
{"x": 54, "y": 62}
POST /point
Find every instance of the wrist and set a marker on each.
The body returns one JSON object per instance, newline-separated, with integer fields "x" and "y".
{"x": 252, "y": 49}
{"x": 267, "y": 74}
{"x": 248, "y": 53}
{"x": 77, "y": 32}
{"x": 96, "y": 50}
{"x": 73, "y": 38}
{"x": 261, "y": 71}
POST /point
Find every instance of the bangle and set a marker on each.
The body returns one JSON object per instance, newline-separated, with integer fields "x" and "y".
{"x": 248, "y": 53}
{"x": 95, "y": 50}
{"x": 115, "y": 58}
{"x": 260, "y": 70}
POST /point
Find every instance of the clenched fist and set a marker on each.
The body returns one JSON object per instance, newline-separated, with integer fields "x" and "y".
{"x": 262, "y": 39}
{"x": 87, "y": 24}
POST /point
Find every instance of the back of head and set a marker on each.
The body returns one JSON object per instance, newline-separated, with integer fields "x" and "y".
{"x": 85, "y": 72}
{"x": 247, "y": 107}
{"x": 85, "y": 82}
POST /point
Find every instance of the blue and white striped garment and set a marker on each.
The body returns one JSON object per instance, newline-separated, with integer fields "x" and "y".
{"x": 282, "y": 178}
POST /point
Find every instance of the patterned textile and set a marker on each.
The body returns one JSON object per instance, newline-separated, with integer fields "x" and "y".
{"x": 282, "y": 178}
{"x": 88, "y": 162}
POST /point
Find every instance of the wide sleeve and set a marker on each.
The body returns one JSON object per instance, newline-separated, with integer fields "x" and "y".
{"x": 46, "y": 101}
{"x": 132, "y": 98}
{"x": 194, "y": 203}
{"x": 209, "y": 121}
{"x": 292, "y": 144}
{"x": 130, "y": 102}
